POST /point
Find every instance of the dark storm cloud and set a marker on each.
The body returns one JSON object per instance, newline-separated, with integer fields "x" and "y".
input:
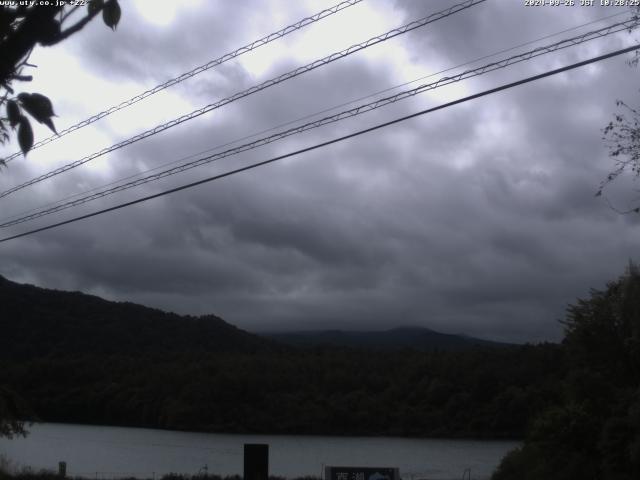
{"x": 478, "y": 219}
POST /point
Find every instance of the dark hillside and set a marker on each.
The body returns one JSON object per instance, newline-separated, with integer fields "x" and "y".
{"x": 38, "y": 322}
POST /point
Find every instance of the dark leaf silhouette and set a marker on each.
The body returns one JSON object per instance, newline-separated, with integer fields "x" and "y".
{"x": 111, "y": 13}
{"x": 13, "y": 113}
{"x": 23, "y": 26}
{"x": 39, "y": 107}
{"x": 48, "y": 30}
{"x": 25, "y": 135}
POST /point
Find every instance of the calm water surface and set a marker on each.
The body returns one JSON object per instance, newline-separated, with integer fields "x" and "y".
{"x": 111, "y": 452}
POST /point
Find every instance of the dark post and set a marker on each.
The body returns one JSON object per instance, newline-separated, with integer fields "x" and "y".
{"x": 62, "y": 469}
{"x": 256, "y": 461}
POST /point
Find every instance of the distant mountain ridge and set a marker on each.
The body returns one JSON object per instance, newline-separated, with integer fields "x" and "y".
{"x": 417, "y": 338}
{"x": 39, "y": 322}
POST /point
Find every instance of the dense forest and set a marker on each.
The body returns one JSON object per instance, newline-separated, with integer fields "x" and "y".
{"x": 78, "y": 358}
{"x": 328, "y": 391}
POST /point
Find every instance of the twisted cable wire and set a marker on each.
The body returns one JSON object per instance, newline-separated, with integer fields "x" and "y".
{"x": 192, "y": 73}
{"x": 609, "y": 30}
{"x": 256, "y": 88}
{"x": 326, "y": 143}
{"x": 308, "y": 116}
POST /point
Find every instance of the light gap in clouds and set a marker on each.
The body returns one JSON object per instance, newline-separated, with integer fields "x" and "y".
{"x": 162, "y": 13}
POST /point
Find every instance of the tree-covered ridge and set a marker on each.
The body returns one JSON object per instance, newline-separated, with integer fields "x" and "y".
{"x": 417, "y": 338}
{"x": 38, "y": 322}
{"x": 78, "y": 358}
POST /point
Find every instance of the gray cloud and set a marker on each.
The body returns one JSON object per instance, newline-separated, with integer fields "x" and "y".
{"x": 478, "y": 219}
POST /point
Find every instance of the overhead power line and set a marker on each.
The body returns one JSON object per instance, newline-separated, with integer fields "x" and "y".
{"x": 269, "y": 83}
{"x": 617, "y": 27}
{"x": 329, "y": 142}
{"x": 59, "y": 202}
{"x": 192, "y": 73}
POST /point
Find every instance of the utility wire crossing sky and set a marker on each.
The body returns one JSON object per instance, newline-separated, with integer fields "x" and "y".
{"x": 257, "y": 88}
{"x": 617, "y": 27}
{"x": 195, "y": 71}
{"x": 330, "y": 142}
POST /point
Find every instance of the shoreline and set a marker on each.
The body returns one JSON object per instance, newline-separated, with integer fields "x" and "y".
{"x": 285, "y": 434}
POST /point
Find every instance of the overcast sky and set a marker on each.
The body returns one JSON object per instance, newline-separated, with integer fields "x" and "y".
{"x": 478, "y": 219}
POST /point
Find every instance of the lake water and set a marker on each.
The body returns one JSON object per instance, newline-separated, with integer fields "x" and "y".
{"x": 112, "y": 452}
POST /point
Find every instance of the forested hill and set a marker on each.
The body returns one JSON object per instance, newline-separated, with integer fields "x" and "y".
{"x": 397, "y": 338}
{"x": 38, "y": 322}
{"x": 81, "y": 359}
